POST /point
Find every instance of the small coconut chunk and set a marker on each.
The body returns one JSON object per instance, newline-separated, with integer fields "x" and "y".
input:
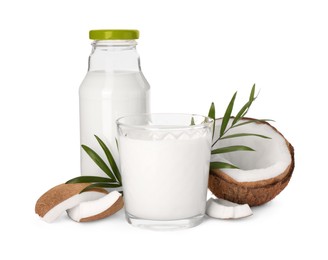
{"x": 97, "y": 209}
{"x": 62, "y": 197}
{"x": 223, "y": 209}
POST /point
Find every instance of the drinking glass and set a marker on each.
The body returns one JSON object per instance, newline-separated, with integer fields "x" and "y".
{"x": 164, "y": 161}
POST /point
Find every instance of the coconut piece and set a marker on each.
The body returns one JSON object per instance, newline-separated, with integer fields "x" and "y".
{"x": 223, "y": 209}
{"x": 262, "y": 174}
{"x": 97, "y": 209}
{"x": 62, "y": 197}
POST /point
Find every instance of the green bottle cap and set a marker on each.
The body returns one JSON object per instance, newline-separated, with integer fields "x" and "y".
{"x": 114, "y": 34}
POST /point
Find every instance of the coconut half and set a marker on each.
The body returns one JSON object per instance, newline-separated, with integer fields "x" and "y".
{"x": 223, "y": 209}
{"x": 57, "y": 200}
{"x": 97, "y": 209}
{"x": 262, "y": 173}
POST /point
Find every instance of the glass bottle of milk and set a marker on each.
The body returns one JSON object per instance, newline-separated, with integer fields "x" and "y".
{"x": 113, "y": 87}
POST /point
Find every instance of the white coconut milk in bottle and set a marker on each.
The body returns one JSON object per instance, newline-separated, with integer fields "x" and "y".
{"x": 113, "y": 87}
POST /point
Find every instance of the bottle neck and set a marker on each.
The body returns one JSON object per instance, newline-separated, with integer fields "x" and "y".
{"x": 114, "y": 55}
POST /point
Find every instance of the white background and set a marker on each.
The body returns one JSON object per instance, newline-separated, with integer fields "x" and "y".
{"x": 192, "y": 53}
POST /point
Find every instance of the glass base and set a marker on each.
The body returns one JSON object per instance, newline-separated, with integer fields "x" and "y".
{"x": 164, "y": 224}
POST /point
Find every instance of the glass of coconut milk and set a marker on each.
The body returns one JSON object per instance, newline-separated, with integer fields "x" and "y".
{"x": 165, "y": 162}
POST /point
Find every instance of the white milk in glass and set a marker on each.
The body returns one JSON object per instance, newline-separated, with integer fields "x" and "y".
{"x": 166, "y": 178}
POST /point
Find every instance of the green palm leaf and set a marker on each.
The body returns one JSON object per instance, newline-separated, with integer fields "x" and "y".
{"x": 230, "y": 149}
{"x": 250, "y": 121}
{"x": 97, "y": 159}
{"x": 211, "y": 114}
{"x": 243, "y": 111}
{"x": 222, "y": 165}
{"x": 227, "y": 115}
{"x": 88, "y": 179}
{"x": 101, "y": 185}
{"x": 110, "y": 159}
{"x": 252, "y": 95}
{"x": 244, "y": 134}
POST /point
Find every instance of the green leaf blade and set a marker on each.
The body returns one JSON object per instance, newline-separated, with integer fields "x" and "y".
{"x": 101, "y": 185}
{"x": 110, "y": 159}
{"x": 243, "y": 111}
{"x": 227, "y": 115}
{"x": 88, "y": 179}
{"x": 250, "y": 121}
{"x": 97, "y": 159}
{"x": 222, "y": 165}
{"x": 252, "y": 94}
{"x": 233, "y": 148}
{"x": 211, "y": 114}
{"x": 244, "y": 134}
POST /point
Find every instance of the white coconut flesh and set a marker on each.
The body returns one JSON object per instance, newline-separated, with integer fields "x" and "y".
{"x": 71, "y": 202}
{"x": 93, "y": 207}
{"x": 270, "y": 158}
{"x": 223, "y": 209}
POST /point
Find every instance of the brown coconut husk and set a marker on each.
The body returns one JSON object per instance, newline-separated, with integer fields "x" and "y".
{"x": 108, "y": 212}
{"x": 252, "y": 193}
{"x": 58, "y": 194}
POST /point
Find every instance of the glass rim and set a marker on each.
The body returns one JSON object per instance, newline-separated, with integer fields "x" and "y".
{"x": 206, "y": 123}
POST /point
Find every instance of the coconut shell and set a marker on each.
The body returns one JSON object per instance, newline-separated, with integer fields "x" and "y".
{"x": 110, "y": 211}
{"x": 59, "y": 194}
{"x": 252, "y": 193}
